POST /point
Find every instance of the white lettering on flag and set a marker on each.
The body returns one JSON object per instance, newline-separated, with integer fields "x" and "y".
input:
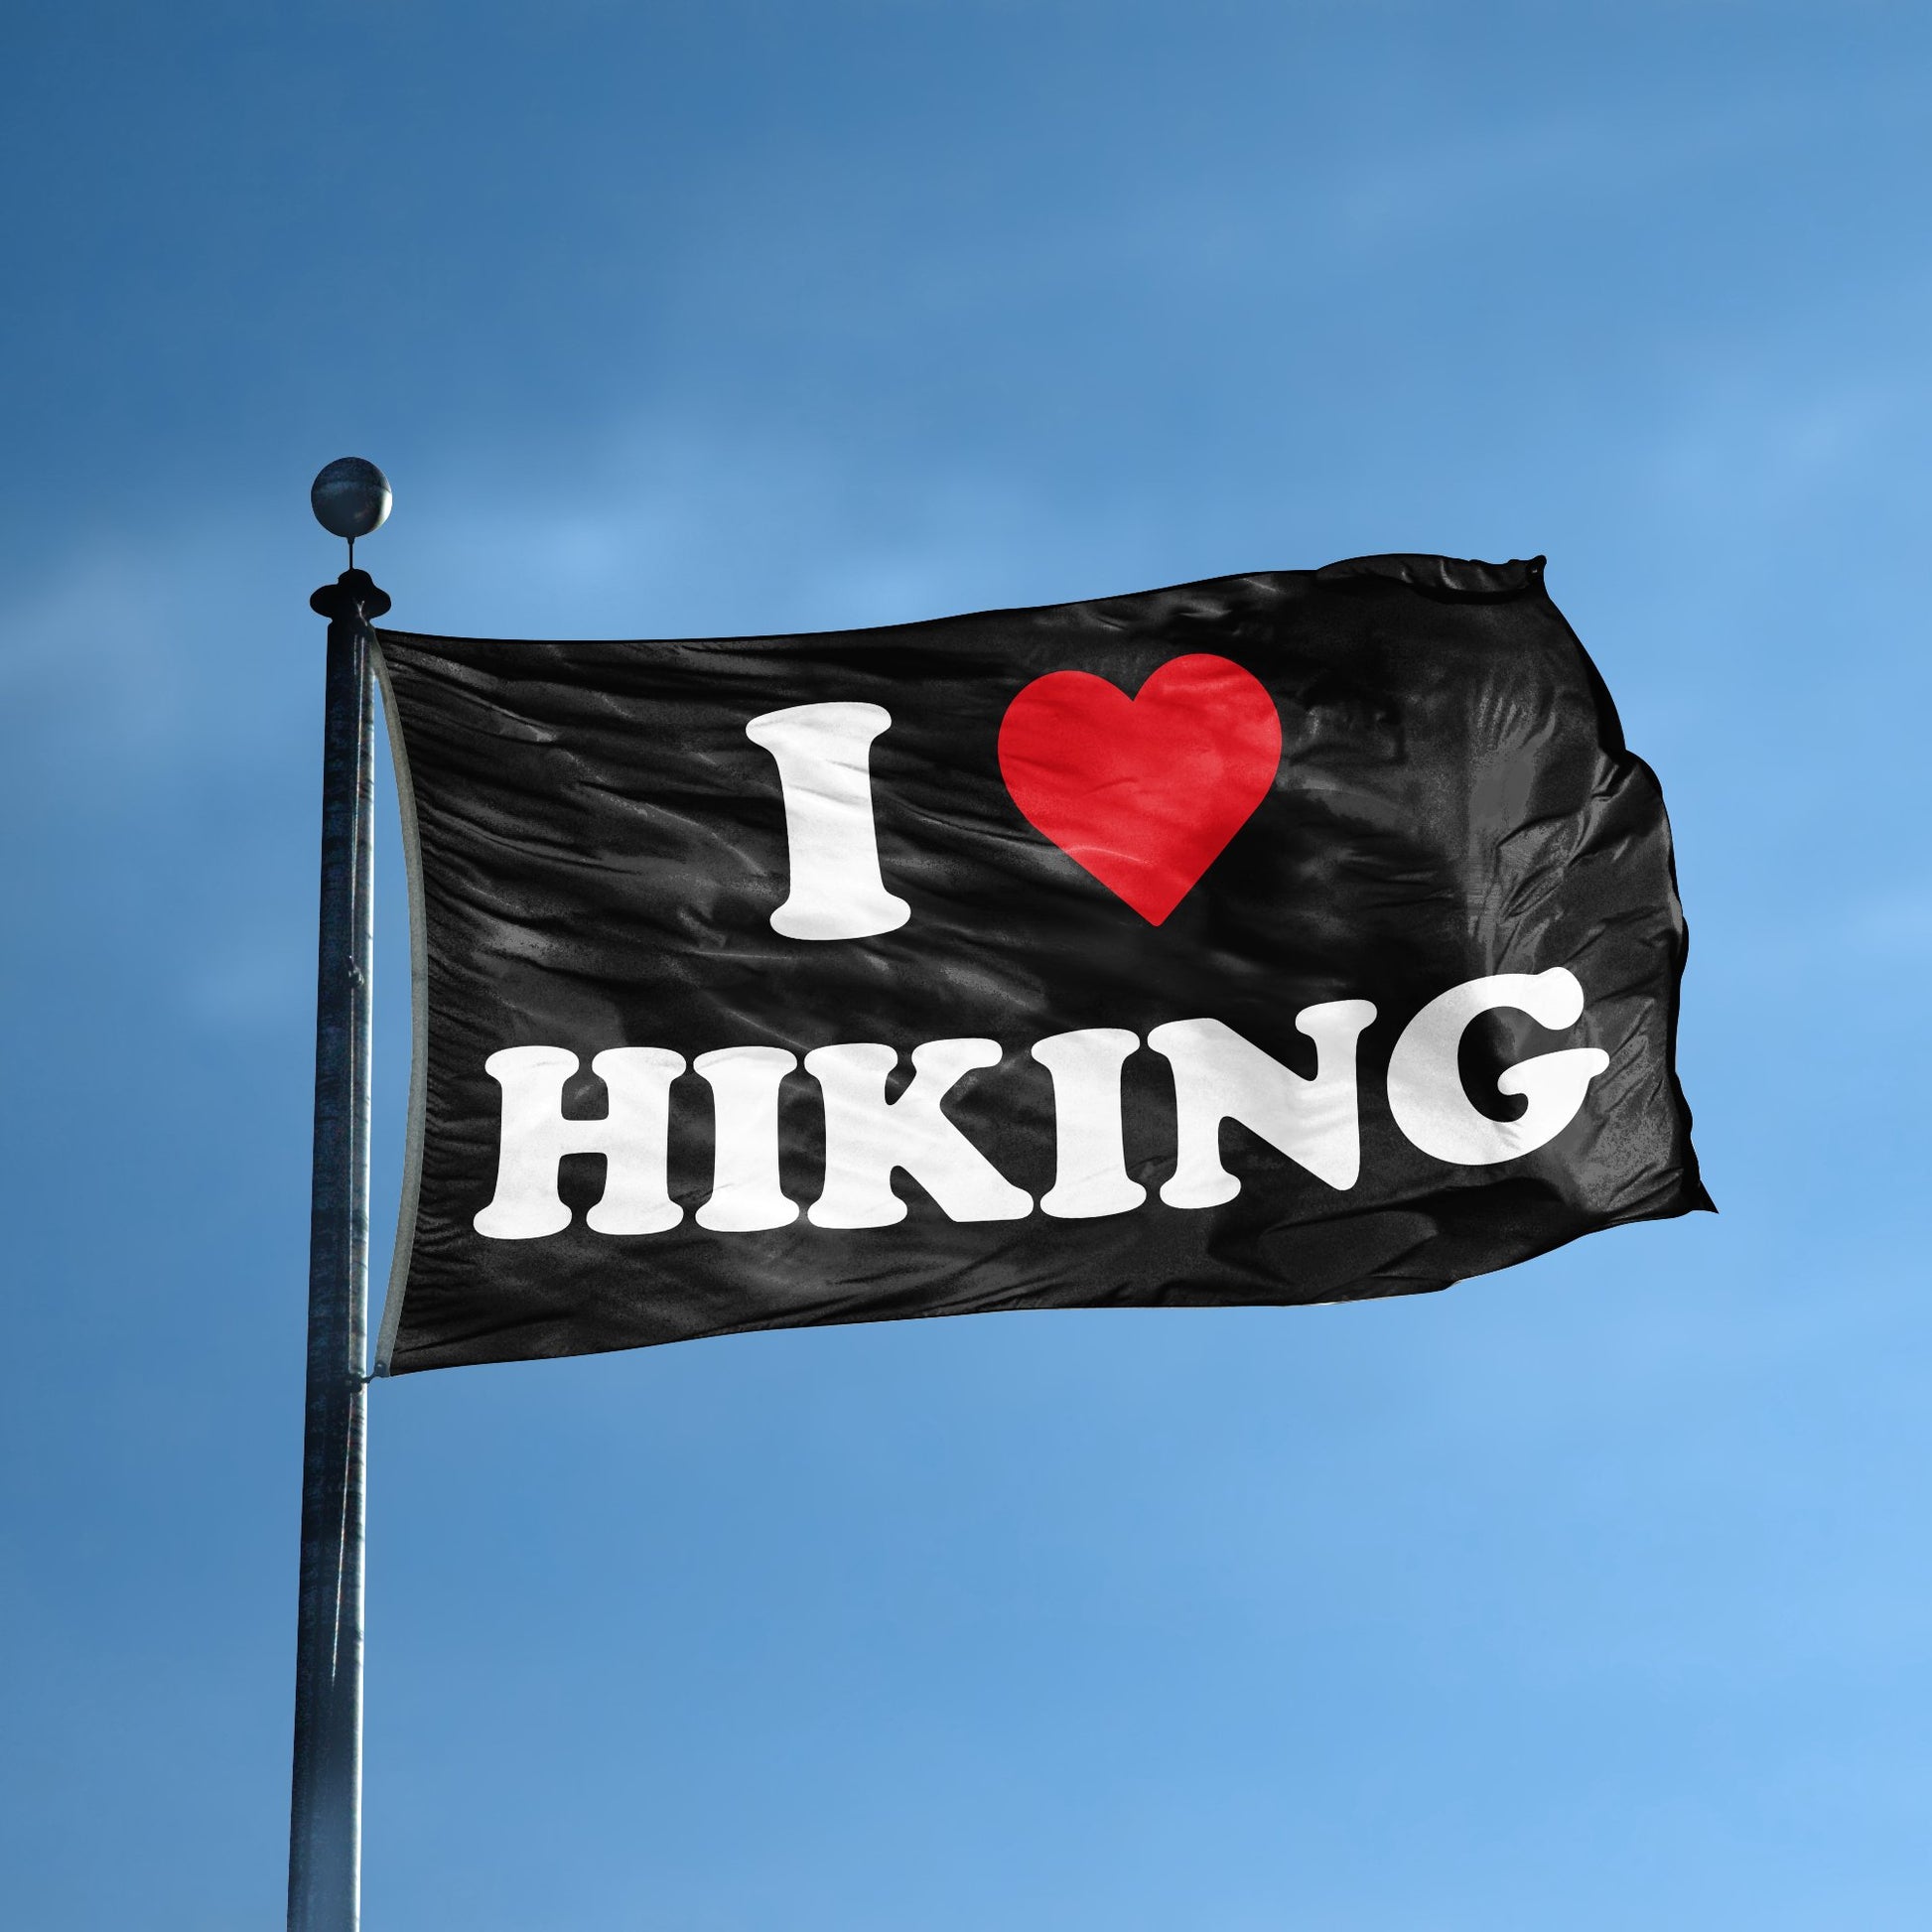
{"x": 1090, "y": 1175}
{"x": 632, "y": 1136}
{"x": 1218, "y": 1075}
{"x": 745, "y": 1191}
{"x": 823, "y": 755}
{"x": 867, "y": 1135}
{"x": 1425, "y": 1086}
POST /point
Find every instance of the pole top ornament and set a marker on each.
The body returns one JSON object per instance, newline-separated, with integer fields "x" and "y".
{"x": 350, "y": 497}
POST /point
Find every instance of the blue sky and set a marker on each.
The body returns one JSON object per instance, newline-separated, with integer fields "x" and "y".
{"x": 1594, "y": 1594}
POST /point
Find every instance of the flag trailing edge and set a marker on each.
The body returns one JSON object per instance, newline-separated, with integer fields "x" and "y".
{"x": 1289, "y": 937}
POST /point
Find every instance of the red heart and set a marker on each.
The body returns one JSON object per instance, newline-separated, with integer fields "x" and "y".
{"x": 1143, "y": 791}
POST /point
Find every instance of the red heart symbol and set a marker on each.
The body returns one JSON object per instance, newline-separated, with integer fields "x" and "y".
{"x": 1143, "y": 791}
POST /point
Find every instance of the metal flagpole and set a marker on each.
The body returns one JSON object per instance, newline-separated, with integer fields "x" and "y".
{"x": 350, "y": 499}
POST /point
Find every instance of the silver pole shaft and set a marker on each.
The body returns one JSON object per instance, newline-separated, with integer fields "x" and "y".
{"x": 325, "y": 1817}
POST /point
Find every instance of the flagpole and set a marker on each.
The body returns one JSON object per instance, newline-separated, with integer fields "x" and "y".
{"x": 325, "y": 1810}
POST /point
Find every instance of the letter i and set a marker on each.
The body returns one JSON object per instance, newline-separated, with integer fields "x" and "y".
{"x": 1091, "y": 1176}
{"x": 745, "y": 1190}
{"x": 823, "y": 753}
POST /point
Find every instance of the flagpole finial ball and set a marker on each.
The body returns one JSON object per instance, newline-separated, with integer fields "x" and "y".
{"x": 350, "y": 497}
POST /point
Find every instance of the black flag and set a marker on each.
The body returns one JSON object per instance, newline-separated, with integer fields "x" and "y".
{"x": 1292, "y": 938}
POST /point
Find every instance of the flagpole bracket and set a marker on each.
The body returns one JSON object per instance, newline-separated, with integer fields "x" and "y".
{"x": 354, "y": 598}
